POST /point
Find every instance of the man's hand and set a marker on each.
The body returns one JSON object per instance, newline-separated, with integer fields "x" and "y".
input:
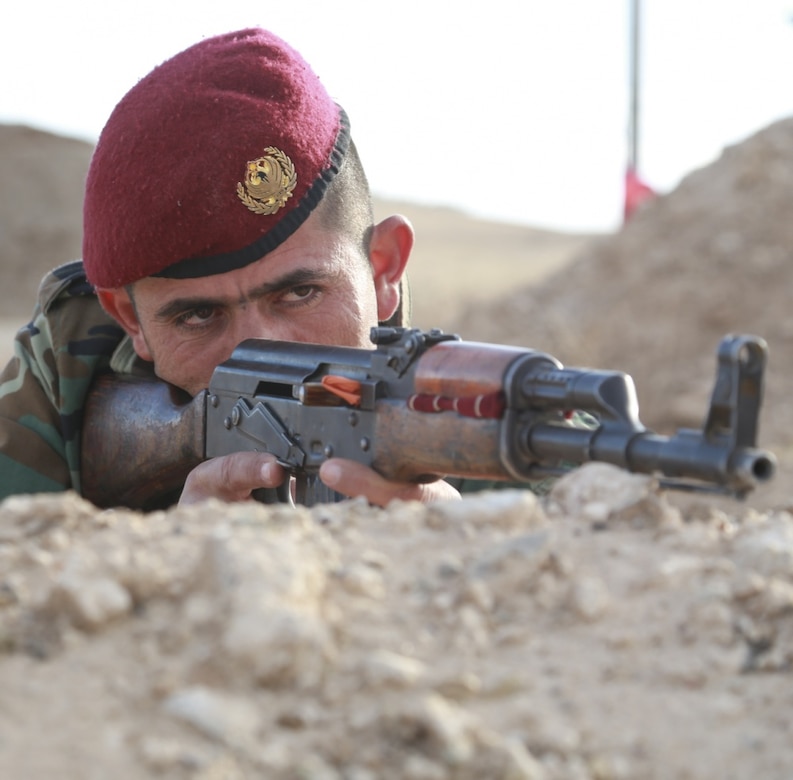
{"x": 354, "y": 479}
{"x": 234, "y": 477}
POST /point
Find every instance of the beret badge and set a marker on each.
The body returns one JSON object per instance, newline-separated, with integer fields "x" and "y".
{"x": 269, "y": 182}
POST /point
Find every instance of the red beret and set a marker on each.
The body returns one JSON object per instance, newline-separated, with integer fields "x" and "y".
{"x": 209, "y": 162}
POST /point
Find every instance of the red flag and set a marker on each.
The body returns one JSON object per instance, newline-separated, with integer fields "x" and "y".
{"x": 636, "y": 192}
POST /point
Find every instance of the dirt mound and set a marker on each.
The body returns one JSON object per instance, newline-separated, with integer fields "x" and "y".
{"x": 41, "y": 215}
{"x": 710, "y": 258}
{"x": 596, "y": 635}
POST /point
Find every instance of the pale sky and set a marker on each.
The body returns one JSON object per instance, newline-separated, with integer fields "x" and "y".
{"x": 508, "y": 109}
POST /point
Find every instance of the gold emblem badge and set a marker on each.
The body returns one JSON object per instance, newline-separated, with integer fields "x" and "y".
{"x": 269, "y": 182}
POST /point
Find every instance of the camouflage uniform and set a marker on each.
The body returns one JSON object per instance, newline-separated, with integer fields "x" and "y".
{"x": 43, "y": 388}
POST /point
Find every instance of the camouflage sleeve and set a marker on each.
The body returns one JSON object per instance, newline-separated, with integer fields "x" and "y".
{"x": 42, "y": 389}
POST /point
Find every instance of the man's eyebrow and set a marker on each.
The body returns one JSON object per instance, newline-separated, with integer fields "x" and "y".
{"x": 296, "y": 278}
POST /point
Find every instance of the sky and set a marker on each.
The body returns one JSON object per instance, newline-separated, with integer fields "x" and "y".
{"x": 514, "y": 110}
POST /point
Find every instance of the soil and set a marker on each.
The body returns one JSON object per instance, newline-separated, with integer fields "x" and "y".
{"x": 607, "y": 631}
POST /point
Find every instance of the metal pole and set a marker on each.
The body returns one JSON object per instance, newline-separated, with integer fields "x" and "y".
{"x": 633, "y": 139}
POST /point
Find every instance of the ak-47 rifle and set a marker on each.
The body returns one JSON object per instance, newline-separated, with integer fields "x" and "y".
{"x": 419, "y": 406}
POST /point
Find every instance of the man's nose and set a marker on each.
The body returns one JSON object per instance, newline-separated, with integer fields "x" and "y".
{"x": 251, "y": 323}
{"x": 255, "y": 322}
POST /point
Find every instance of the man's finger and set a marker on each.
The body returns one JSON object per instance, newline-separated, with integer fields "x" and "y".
{"x": 354, "y": 479}
{"x": 232, "y": 477}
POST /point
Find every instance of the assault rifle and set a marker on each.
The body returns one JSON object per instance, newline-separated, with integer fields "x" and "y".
{"x": 419, "y": 406}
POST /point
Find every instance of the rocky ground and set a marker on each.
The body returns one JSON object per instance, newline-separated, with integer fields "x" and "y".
{"x": 599, "y": 634}
{"x": 607, "y": 631}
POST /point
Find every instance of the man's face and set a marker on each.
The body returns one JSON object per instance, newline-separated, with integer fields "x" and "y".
{"x": 316, "y": 287}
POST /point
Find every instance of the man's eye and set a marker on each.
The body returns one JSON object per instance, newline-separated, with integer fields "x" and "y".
{"x": 302, "y": 293}
{"x": 196, "y": 316}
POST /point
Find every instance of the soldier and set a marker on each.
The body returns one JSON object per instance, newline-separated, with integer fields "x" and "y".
{"x": 225, "y": 200}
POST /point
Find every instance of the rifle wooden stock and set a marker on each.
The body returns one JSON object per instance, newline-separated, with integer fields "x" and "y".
{"x": 141, "y": 438}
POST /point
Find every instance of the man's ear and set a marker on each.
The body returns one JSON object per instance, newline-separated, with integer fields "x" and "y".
{"x": 119, "y": 306}
{"x": 390, "y": 247}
